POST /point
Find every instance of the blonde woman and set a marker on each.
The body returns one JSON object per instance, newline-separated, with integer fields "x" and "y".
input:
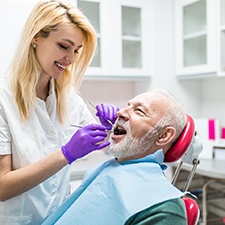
{"x": 38, "y": 104}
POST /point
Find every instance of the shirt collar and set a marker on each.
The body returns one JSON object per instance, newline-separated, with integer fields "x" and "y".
{"x": 157, "y": 157}
{"x": 51, "y": 86}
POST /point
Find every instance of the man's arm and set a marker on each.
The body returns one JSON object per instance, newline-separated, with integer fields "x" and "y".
{"x": 171, "y": 212}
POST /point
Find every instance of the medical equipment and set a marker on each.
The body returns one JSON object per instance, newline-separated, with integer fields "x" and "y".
{"x": 75, "y": 125}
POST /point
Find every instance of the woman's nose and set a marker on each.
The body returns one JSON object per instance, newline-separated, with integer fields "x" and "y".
{"x": 70, "y": 58}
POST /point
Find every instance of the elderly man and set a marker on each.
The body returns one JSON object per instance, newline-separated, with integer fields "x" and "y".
{"x": 132, "y": 188}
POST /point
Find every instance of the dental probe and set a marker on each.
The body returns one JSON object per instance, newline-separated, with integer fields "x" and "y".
{"x": 80, "y": 126}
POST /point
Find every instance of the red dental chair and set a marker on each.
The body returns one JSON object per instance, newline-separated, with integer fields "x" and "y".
{"x": 187, "y": 148}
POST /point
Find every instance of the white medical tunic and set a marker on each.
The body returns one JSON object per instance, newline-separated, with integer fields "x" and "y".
{"x": 42, "y": 134}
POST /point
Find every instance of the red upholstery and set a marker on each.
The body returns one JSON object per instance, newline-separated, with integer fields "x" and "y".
{"x": 183, "y": 142}
{"x": 191, "y": 210}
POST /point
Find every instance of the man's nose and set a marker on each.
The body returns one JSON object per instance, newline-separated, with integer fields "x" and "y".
{"x": 123, "y": 113}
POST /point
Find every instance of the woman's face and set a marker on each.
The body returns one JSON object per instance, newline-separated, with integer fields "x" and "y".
{"x": 58, "y": 50}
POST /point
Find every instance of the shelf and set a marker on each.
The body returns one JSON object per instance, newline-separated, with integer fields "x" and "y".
{"x": 131, "y": 38}
{"x": 195, "y": 35}
{"x": 118, "y": 77}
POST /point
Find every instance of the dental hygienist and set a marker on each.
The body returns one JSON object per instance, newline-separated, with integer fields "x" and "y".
{"x": 38, "y": 105}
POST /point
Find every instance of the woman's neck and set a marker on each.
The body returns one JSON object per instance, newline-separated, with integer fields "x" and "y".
{"x": 42, "y": 88}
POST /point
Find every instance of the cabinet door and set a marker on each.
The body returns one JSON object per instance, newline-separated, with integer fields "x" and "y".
{"x": 94, "y": 10}
{"x": 195, "y": 37}
{"x": 135, "y": 30}
{"x": 221, "y": 37}
{"x": 123, "y": 39}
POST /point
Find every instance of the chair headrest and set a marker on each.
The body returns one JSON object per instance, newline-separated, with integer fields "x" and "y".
{"x": 183, "y": 142}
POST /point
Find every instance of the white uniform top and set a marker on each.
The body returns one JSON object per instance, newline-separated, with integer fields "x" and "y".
{"x": 42, "y": 134}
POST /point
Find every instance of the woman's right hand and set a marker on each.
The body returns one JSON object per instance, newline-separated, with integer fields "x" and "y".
{"x": 84, "y": 141}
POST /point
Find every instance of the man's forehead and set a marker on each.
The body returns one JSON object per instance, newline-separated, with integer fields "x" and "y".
{"x": 144, "y": 97}
{"x": 152, "y": 101}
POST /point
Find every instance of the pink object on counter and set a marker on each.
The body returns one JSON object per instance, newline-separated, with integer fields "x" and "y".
{"x": 223, "y": 133}
{"x": 211, "y": 123}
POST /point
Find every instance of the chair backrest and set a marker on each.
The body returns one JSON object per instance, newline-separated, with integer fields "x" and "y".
{"x": 187, "y": 148}
{"x": 179, "y": 148}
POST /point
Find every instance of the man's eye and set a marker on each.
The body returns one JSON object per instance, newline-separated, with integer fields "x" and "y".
{"x": 140, "y": 111}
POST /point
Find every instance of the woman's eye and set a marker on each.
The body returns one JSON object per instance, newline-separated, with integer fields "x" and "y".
{"x": 63, "y": 46}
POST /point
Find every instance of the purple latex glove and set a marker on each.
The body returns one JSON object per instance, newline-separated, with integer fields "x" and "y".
{"x": 84, "y": 141}
{"x": 107, "y": 112}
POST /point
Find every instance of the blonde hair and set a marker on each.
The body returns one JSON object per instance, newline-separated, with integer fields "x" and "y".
{"x": 48, "y": 16}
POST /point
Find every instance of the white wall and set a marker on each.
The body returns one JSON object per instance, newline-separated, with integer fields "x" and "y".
{"x": 213, "y": 94}
{"x": 13, "y": 15}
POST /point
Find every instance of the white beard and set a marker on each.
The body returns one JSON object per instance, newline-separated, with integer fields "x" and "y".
{"x": 130, "y": 146}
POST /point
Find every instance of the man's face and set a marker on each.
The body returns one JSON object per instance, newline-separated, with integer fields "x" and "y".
{"x": 130, "y": 146}
{"x": 134, "y": 131}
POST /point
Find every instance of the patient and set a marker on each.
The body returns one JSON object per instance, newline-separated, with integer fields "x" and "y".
{"x": 132, "y": 187}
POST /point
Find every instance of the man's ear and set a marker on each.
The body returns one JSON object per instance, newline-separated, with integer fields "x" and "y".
{"x": 165, "y": 136}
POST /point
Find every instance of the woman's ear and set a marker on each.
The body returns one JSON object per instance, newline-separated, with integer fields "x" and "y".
{"x": 35, "y": 39}
{"x": 165, "y": 136}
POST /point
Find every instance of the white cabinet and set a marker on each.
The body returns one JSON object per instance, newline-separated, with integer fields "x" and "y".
{"x": 199, "y": 46}
{"x": 125, "y": 38}
{"x": 221, "y": 37}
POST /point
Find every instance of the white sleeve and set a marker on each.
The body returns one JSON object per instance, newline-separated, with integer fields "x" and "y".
{"x": 5, "y": 136}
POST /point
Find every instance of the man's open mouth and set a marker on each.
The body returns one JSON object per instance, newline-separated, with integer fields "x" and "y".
{"x": 118, "y": 130}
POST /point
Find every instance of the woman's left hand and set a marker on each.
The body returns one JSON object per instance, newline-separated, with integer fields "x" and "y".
{"x": 107, "y": 114}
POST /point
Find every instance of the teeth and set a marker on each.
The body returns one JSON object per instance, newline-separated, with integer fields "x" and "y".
{"x": 119, "y": 131}
{"x": 59, "y": 65}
